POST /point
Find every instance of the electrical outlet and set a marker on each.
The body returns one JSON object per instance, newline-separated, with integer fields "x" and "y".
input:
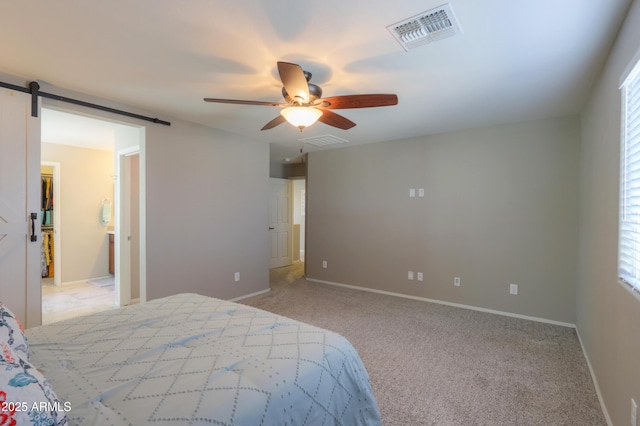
{"x": 420, "y": 276}
{"x": 420, "y": 192}
{"x": 456, "y": 281}
{"x": 513, "y": 289}
{"x": 236, "y": 276}
{"x": 410, "y": 276}
{"x": 634, "y": 413}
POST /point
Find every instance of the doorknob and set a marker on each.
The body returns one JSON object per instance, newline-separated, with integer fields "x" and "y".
{"x": 271, "y": 228}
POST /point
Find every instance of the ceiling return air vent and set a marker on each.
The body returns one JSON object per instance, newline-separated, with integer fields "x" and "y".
{"x": 426, "y": 27}
{"x": 323, "y": 140}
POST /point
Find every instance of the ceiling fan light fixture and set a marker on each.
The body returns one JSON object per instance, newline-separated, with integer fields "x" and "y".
{"x": 301, "y": 117}
{"x": 307, "y": 105}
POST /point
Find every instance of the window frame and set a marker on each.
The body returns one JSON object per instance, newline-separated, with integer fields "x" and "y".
{"x": 630, "y": 79}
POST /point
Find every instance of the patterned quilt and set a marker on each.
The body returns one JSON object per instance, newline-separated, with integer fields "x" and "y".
{"x": 190, "y": 359}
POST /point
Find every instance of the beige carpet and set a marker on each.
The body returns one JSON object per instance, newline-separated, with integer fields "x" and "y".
{"x": 431, "y": 364}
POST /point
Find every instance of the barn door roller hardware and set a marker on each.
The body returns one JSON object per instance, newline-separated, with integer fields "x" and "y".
{"x": 34, "y": 91}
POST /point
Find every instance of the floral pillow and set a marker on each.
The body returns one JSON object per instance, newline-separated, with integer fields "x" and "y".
{"x": 26, "y": 397}
{"x": 12, "y": 332}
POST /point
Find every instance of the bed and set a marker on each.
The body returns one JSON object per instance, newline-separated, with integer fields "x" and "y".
{"x": 191, "y": 359}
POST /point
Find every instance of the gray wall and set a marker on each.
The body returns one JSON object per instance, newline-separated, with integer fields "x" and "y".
{"x": 207, "y": 212}
{"x": 500, "y": 207}
{"x": 608, "y": 315}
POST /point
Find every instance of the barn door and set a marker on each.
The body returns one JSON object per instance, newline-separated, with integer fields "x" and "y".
{"x": 20, "y": 239}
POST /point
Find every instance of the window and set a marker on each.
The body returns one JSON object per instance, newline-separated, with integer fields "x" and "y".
{"x": 629, "y": 233}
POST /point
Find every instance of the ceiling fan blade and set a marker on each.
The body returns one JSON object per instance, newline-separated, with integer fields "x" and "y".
{"x": 294, "y": 82}
{"x": 360, "y": 101}
{"x": 335, "y": 120}
{"x": 273, "y": 123}
{"x": 240, "y": 102}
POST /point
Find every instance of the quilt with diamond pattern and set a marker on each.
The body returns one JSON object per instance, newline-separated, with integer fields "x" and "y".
{"x": 191, "y": 359}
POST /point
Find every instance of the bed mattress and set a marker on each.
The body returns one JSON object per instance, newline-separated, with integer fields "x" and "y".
{"x": 191, "y": 359}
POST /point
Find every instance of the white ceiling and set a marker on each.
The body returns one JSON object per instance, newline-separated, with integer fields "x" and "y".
{"x": 71, "y": 129}
{"x": 516, "y": 61}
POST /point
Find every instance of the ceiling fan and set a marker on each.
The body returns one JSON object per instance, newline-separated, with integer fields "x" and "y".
{"x": 305, "y": 104}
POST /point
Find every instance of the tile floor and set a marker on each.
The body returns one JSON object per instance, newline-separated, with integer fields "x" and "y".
{"x": 73, "y": 300}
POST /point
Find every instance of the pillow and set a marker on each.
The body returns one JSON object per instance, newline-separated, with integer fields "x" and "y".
{"x": 26, "y": 397}
{"x": 12, "y": 332}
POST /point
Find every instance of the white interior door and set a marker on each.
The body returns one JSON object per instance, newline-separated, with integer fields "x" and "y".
{"x": 123, "y": 226}
{"x": 280, "y": 223}
{"x": 20, "y": 196}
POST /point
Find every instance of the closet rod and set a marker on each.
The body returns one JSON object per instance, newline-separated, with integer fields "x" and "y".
{"x": 34, "y": 90}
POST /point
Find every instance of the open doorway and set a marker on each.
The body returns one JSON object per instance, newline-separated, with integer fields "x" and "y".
{"x": 287, "y": 227}
{"x": 86, "y": 212}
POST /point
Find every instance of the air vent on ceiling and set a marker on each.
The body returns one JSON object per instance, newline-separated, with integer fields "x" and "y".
{"x": 323, "y": 140}
{"x": 433, "y": 25}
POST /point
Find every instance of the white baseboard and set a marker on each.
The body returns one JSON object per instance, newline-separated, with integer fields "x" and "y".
{"x": 595, "y": 382}
{"x": 246, "y": 296}
{"x": 441, "y": 302}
